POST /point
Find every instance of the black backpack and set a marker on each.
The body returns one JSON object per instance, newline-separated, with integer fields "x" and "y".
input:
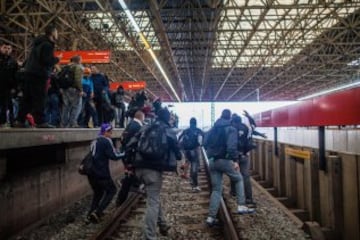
{"x": 66, "y": 77}
{"x": 215, "y": 142}
{"x": 190, "y": 139}
{"x": 153, "y": 143}
{"x": 86, "y": 165}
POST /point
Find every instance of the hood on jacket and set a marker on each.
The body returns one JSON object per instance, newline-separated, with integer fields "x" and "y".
{"x": 40, "y": 39}
{"x": 222, "y": 122}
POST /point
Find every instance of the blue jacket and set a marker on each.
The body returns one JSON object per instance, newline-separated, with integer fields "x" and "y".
{"x": 88, "y": 86}
{"x": 104, "y": 151}
{"x": 100, "y": 83}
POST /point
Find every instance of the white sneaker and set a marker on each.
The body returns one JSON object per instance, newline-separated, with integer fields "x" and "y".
{"x": 196, "y": 189}
{"x": 242, "y": 209}
{"x": 212, "y": 222}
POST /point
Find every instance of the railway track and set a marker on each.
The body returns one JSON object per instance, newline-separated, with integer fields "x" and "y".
{"x": 185, "y": 212}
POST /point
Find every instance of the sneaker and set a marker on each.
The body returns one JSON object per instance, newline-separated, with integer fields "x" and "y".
{"x": 242, "y": 209}
{"x": 250, "y": 204}
{"x": 196, "y": 189}
{"x": 212, "y": 222}
{"x": 87, "y": 220}
{"x": 18, "y": 124}
{"x": 94, "y": 218}
{"x": 45, "y": 125}
{"x": 164, "y": 230}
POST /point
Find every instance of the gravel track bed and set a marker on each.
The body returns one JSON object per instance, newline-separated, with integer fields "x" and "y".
{"x": 269, "y": 222}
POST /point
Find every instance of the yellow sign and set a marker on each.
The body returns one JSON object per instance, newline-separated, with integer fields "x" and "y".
{"x": 298, "y": 153}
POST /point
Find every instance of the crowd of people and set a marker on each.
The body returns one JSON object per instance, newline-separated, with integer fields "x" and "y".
{"x": 37, "y": 93}
{"x": 227, "y": 146}
{"x": 40, "y": 93}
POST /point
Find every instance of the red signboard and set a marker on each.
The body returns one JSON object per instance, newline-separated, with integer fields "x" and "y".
{"x": 86, "y": 56}
{"x": 339, "y": 108}
{"x": 140, "y": 85}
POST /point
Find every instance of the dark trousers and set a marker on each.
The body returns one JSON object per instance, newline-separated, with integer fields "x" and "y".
{"x": 104, "y": 190}
{"x": 126, "y": 183}
{"x": 34, "y": 99}
{"x": 6, "y": 104}
{"x": 88, "y": 110}
{"x": 193, "y": 157}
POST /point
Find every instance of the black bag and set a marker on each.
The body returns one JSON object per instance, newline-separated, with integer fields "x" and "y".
{"x": 66, "y": 77}
{"x": 153, "y": 143}
{"x": 215, "y": 142}
{"x": 190, "y": 140}
{"x": 86, "y": 165}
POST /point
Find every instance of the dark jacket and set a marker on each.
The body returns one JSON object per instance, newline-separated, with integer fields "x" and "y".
{"x": 230, "y": 143}
{"x": 8, "y": 69}
{"x": 100, "y": 84}
{"x": 195, "y": 131}
{"x": 131, "y": 129}
{"x": 41, "y": 60}
{"x": 104, "y": 151}
{"x": 174, "y": 153}
{"x": 117, "y": 98}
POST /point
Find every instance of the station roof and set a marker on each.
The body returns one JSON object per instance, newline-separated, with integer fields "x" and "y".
{"x": 209, "y": 50}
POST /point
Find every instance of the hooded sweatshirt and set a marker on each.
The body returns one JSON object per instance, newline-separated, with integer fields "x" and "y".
{"x": 231, "y": 141}
{"x": 41, "y": 60}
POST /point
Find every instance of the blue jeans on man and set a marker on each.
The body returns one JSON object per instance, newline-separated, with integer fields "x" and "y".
{"x": 52, "y": 109}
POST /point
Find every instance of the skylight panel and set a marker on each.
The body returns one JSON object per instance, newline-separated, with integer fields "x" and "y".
{"x": 287, "y": 37}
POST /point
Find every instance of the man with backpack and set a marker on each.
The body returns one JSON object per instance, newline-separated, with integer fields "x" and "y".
{"x": 72, "y": 95}
{"x": 190, "y": 139}
{"x": 157, "y": 152}
{"x": 221, "y": 146}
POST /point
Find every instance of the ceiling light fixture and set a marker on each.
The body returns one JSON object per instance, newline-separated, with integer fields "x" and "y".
{"x": 147, "y": 46}
{"x": 354, "y": 84}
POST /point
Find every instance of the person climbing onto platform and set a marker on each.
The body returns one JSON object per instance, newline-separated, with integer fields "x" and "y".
{"x": 100, "y": 180}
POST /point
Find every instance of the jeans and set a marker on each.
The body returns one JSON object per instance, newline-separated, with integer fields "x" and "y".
{"x": 244, "y": 164}
{"x": 52, "y": 110}
{"x": 120, "y": 116}
{"x": 71, "y": 107}
{"x": 217, "y": 168}
{"x": 193, "y": 157}
{"x": 5, "y": 105}
{"x": 153, "y": 215}
{"x": 104, "y": 190}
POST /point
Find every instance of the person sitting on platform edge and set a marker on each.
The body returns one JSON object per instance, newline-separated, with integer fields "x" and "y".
{"x": 221, "y": 147}
{"x": 100, "y": 180}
